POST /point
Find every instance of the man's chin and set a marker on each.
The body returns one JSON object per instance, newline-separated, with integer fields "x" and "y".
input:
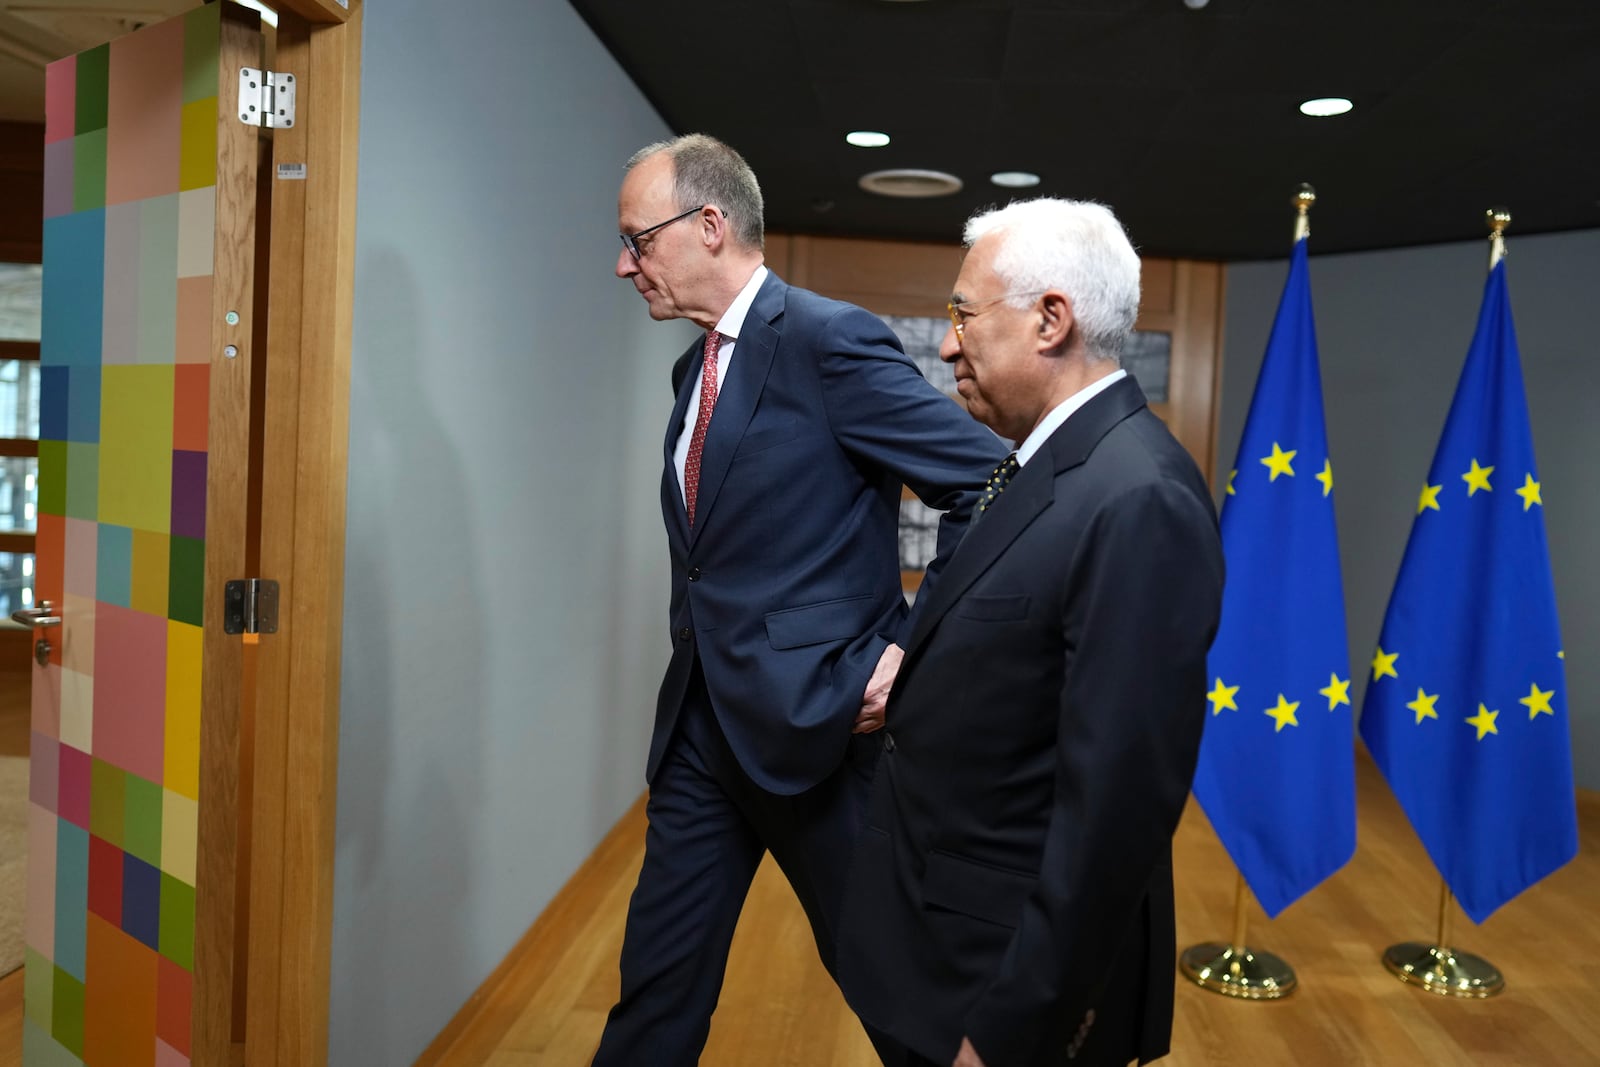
{"x": 660, "y": 310}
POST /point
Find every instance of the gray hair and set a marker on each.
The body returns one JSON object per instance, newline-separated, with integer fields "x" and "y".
{"x": 706, "y": 171}
{"x": 1077, "y": 247}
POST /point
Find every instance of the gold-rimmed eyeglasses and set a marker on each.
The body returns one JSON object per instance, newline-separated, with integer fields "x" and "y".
{"x": 962, "y": 310}
{"x": 630, "y": 241}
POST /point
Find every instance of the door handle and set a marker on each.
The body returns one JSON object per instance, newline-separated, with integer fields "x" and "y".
{"x": 43, "y": 615}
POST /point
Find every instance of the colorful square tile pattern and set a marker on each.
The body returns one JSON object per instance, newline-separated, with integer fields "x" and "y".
{"x": 130, "y": 216}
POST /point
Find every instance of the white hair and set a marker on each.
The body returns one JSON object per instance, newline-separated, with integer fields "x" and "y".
{"x": 1075, "y": 246}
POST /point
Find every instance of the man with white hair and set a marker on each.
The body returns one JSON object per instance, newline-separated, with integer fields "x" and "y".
{"x": 1011, "y": 902}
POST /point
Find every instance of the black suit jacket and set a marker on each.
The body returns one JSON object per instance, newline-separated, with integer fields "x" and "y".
{"x": 787, "y": 588}
{"x": 1014, "y": 882}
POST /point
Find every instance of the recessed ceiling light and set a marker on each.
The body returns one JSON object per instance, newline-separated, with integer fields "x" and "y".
{"x": 1324, "y": 106}
{"x": 867, "y": 138}
{"x": 908, "y": 182}
{"x": 1014, "y": 179}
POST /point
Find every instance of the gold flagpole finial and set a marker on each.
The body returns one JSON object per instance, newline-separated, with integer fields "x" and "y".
{"x": 1497, "y": 218}
{"x": 1304, "y": 198}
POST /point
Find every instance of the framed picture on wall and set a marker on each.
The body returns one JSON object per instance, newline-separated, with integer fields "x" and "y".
{"x": 920, "y": 336}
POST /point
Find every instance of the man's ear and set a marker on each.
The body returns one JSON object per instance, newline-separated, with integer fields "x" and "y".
{"x": 1055, "y": 321}
{"x": 713, "y": 227}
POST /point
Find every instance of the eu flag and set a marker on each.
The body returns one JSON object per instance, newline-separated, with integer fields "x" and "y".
{"x": 1277, "y": 761}
{"x": 1466, "y": 712}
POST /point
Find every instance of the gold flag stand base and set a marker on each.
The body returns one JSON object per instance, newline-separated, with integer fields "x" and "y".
{"x": 1237, "y": 972}
{"x": 1231, "y": 968}
{"x": 1443, "y": 970}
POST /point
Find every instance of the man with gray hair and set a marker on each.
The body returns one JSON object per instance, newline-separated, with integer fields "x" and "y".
{"x": 1011, "y": 902}
{"x": 796, "y": 420}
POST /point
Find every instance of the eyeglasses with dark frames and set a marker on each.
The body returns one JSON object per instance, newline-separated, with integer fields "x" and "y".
{"x": 962, "y": 310}
{"x": 630, "y": 241}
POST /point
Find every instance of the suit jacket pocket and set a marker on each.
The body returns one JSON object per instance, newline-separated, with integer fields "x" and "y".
{"x": 992, "y": 608}
{"x": 981, "y": 890}
{"x": 767, "y": 437}
{"x": 831, "y": 620}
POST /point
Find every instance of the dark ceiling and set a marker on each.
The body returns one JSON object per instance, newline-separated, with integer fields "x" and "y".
{"x": 1185, "y": 121}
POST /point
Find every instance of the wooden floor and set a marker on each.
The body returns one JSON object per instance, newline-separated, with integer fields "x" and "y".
{"x": 779, "y": 1008}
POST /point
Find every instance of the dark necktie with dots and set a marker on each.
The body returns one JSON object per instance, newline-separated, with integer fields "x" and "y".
{"x": 996, "y": 484}
{"x": 697, "y": 440}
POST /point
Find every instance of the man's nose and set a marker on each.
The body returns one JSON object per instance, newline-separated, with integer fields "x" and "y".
{"x": 950, "y": 347}
{"x": 627, "y": 266}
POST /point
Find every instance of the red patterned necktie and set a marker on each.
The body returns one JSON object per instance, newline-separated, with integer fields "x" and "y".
{"x": 697, "y": 442}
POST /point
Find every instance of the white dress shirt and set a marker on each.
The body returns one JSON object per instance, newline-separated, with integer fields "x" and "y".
{"x": 728, "y": 326}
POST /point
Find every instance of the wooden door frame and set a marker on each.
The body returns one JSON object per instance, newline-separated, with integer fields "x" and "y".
{"x": 304, "y": 469}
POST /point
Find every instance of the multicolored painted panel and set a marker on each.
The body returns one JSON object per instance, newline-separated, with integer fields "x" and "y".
{"x": 130, "y": 207}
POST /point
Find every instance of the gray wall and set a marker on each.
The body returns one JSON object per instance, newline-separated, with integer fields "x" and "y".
{"x": 505, "y": 595}
{"x": 1393, "y": 329}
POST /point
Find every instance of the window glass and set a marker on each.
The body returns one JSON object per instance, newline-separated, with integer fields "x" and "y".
{"x": 16, "y": 582}
{"x": 21, "y": 286}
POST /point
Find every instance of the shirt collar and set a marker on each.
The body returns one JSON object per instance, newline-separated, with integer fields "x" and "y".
{"x": 1059, "y": 414}
{"x": 732, "y": 320}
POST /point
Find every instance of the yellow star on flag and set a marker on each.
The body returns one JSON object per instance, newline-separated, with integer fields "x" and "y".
{"x": 1383, "y": 664}
{"x": 1278, "y": 462}
{"x": 1429, "y": 498}
{"x": 1222, "y": 697}
{"x": 1337, "y": 692}
{"x": 1231, "y": 476}
{"x": 1423, "y": 706}
{"x": 1478, "y": 478}
{"x": 1538, "y": 701}
{"x": 1484, "y": 721}
{"x": 1284, "y": 713}
{"x": 1529, "y": 492}
{"x": 1326, "y": 477}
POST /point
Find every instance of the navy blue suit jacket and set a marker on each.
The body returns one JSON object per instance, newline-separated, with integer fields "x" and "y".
{"x": 1014, "y": 881}
{"x": 788, "y": 586}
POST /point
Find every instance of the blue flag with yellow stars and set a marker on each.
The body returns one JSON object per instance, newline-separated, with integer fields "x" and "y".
{"x": 1277, "y": 761}
{"x": 1466, "y": 712}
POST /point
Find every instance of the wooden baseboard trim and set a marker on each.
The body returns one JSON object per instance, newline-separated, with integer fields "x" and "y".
{"x": 471, "y": 1037}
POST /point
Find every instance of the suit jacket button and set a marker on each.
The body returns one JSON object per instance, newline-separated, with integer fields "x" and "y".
{"x": 888, "y": 741}
{"x": 694, "y": 574}
{"x": 683, "y": 634}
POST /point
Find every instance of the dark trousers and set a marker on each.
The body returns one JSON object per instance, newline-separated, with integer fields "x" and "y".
{"x": 709, "y": 826}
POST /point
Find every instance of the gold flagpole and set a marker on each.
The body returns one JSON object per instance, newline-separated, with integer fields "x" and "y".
{"x": 1497, "y": 218}
{"x": 1438, "y": 968}
{"x": 1304, "y": 198}
{"x": 1234, "y": 969}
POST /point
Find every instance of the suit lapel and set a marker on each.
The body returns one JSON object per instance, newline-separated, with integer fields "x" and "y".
{"x": 1030, "y": 492}
{"x": 736, "y": 400}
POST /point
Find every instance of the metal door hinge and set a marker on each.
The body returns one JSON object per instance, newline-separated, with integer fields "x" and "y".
{"x": 250, "y": 606}
{"x": 266, "y": 98}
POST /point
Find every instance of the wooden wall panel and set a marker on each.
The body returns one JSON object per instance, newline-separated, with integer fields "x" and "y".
{"x": 1157, "y": 282}
{"x": 21, "y": 192}
{"x": 1180, "y": 297}
{"x": 888, "y": 277}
